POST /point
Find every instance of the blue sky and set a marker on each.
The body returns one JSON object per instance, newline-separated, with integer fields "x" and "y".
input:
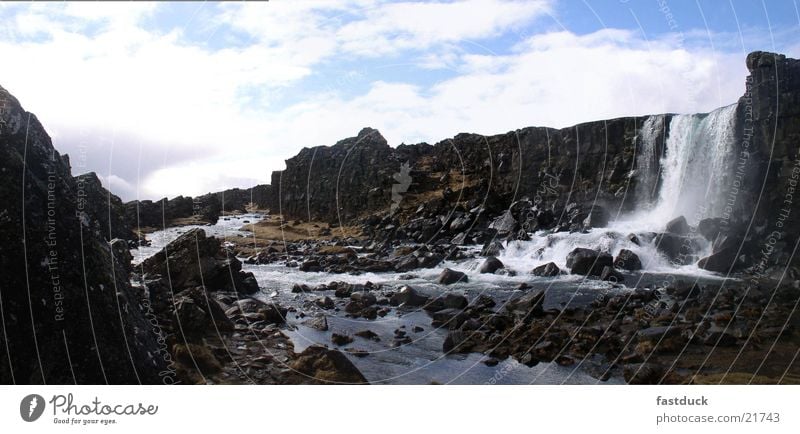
{"x": 163, "y": 99}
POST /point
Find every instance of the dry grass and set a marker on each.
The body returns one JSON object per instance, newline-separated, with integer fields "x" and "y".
{"x": 270, "y": 230}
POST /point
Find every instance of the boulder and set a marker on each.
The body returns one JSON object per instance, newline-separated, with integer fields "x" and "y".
{"x": 327, "y": 366}
{"x": 627, "y": 260}
{"x": 490, "y": 265}
{"x": 454, "y": 301}
{"x": 678, "y": 226}
{"x": 612, "y": 275}
{"x": 193, "y": 259}
{"x": 677, "y": 249}
{"x": 505, "y": 224}
{"x": 549, "y": 269}
{"x": 408, "y": 296}
{"x": 318, "y": 323}
{"x": 448, "y": 277}
{"x": 588, "y": 262}
{"x": 530, "y": 303}
{"x": 339, "y": 339}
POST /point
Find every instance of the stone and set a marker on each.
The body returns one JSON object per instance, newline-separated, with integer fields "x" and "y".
{"x": 549, "y": 269}
{"x": 449, "y": 277}
{"x": 407, "y": 296}
{"x": 452, "y": 318}
{"x": 612, "y": 275}
{"x": 368, "y": 334}
{"x": 627, "y": 260}
{"x": 588, "y": 262}
{"x": 340, "y": 340}
{"x": 325, "y": 303}
{"x": 319, "y": 323}
{"x": 490, "y": 265}
{"x": 327, "y": 366}
{"x": 454, "y": 301}
{"x": 530, "y": 303}
{"x": 678, "y": 226}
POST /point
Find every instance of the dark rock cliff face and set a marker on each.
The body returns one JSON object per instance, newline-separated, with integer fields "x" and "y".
{"x": 69, "y": 313}
{"x": 103, "y": 206}
{"x": 586, "y": 163}
{"x": 237, "y": 199}
{"x": 768, "y": 166}
{"x": 159, "y": 214}
{"x": 341, "y": 181}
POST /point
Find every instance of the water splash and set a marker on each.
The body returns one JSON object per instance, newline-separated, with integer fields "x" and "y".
{"x": 694, "y": 174}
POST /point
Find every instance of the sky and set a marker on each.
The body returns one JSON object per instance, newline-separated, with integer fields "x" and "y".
{"x": 167, "y": 99}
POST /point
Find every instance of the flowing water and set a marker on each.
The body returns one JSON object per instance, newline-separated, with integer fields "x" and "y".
{"x": 690, "y": 179}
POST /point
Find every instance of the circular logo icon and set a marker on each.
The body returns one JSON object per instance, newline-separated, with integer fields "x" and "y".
{"x": 31, "y": 407}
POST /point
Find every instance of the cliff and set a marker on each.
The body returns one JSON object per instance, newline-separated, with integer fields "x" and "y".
{"x": 69, "y": 314}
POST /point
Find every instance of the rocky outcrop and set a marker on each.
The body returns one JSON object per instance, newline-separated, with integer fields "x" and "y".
{"x": 162, "y": 213}
{"x": 104, "y": 207}
{"x": 69, "y": 314}
{"x": 193, "y": 259}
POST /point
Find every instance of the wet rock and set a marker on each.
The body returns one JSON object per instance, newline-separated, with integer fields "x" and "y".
{"x": 364, "y": 298}
{"x": 448, "y": 277}
{"x": 298, "y": 288}
{"x": 527, "y": 305}
{"x": 710, "y": 228}
{"x": 723, "y": 261}
{"x": 588, "y": 262}
{"x": 678, "y": 226}
{"x": 329, "y": 366}
{"x": 310, "y": 266}
{"x": 456, "y": 342}
{"x": 677, "y": 249}
{"x": 319, "y": 323}
{"x": 505, "y": 224}
{"x": 492, "y": 248}
{"x": 368, "y": 334}
{"x": 454, "y": 301}
{"x": 452, "y": 318}
{"x": 610, "y": 274}
{"x": 490, "y": 265}
{"x": 598, "y": 218}
{"x": 340, "y": 340}
{"x": 644, "y": 373}
{"x": 549, "y": 269}
{"x": 627, "y": 260}
{"x": 325, "y": 303}
{"x": 408, "y": 296}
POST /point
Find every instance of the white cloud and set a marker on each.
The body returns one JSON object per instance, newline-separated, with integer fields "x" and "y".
{"x": 189, "y": 119}
{"x": 418, "y": 25}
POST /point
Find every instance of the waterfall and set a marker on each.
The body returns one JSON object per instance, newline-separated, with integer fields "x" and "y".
{"x": 694, "y": 173}
{"x": 647, "y": 162}
{"x": 696, "y": 165}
